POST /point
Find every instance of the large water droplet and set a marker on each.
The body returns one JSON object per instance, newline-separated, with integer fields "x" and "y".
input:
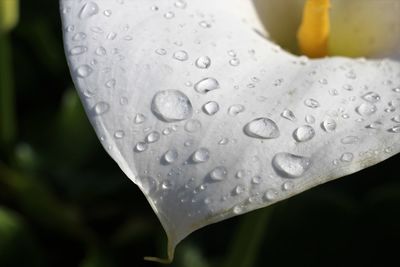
{"x": 304, "y": 133}
{"x": 206, "y": 85}
{"x": 262, "y": 128}
{"x": 289, "y": 165}
{"x": 171, "y": 106}
{"x": 201, "y": 155}
{"x": 88, "y": 10}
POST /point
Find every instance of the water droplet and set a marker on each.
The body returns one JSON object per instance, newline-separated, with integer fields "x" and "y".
{"x": 234, "y": 62}
{"x": 371, "y": 97}
{"x": 204, "y": 24}
{"x": 348, "y": 140}
{"x": 234, "y": 110}
{"x": 192, "y": 126}
{"x": 256, "y": 179}
{"x": 328, "y": 125}
{"x": 394, "y": 129}
{"x": 139, "y": 118}
{"x": 78, "y": 50}
{"x": 169, "y": 15}
{"x": 239, "y": 189}
{"x": 311, "y": 103}
{"x": 111, "y": 83}
{"x": 88, "y": 10}
{"x": 270, "y": 195}
{"x": 206, "y": 85}
{"x": 310, "y": 119}
{"x": 287, "y": 186}
{"x": 288, "y": 114}
{"x": 240, "y": 174}
{"x": 348, "y": 87}
{"x": 396, "y": 118}
{"x": 141, "y": 147}
{"x": 396, "y": 90}
{"x": 180, "y": 4}
{"x": 262, "y": 128}
{"x": 237, "y": 210}
{"x": 223, "y": 141}
{"x": 101, "y": 51}
{"x": 101, "y": 108}
{"x": 203, "y": 62}
{"x": 289, "y": 165}
{"x": 347, "y": 157}
{"x": 148, "y": 185}
{"x": 161, "y": 51}
{"x": 201, "y": 155}
{"x": 84, "y": 71}
{"x": 219, "y": 173}
{"x": 304, "y": 133}
{"x": 153, "y": 137}
{"x": 167, "y": 184}
{"x": 210, "y": 108}
{"x": 119, "y": 134}
{"x": 171, "y": 106}
{"x": 181, "y": 55}
{"x": 79, "y": 36}
{"x": 107, "y": 13}
{"x": 171, "y": 156}
{"x": 366, "y": 109}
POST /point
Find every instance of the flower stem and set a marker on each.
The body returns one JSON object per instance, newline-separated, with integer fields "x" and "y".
{"x": 247, "y": 242}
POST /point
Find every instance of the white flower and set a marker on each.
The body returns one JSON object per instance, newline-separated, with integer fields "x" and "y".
{"x": 210, "y": 118}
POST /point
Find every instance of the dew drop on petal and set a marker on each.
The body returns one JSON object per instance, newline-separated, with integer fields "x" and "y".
{"x": 201, "y": 155}
{"x": 203, "y": 62}
{"x": 366, "y": 109}
{"x": 262, "y": 128}
{"x": 206, "y": 85}
{"x": 171, "y": 106}
{"x": 219, "y": 173}
{"x": 304, "y": 133}
{"x": 88, "y": 10}
{"x": 289, "y": 165}
{"x": 170, "y": 156}
{"x": 328, "y": 125}
{"x": 101, "y": 108}
{"x": 210, "y": 108}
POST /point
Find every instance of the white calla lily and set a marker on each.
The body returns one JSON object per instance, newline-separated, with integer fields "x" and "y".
{"x": 212, "y": 120}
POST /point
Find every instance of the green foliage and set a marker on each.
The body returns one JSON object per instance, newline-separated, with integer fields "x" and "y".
{"x": 63, "y": 202}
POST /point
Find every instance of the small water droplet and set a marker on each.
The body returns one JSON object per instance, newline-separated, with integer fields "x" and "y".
{"x": 88, "y": 10}
{"x": 78, "y": 50}
{"x": 139, "y": 118}
{"x": 167, "y": 184}
{"x": 348, "y": 140}
{"x": 180, "y": 4}
{"x": 304, "y": 133}
{"x": 347, "y": 157}
{"x": 237, "y": 210}
{"x": 141, "y": 147}
{"x": 234, "y": 62}
{"x": 256, "y": 179}
{"x": 84, "y": 71}
{"x": 119, "y": 134}
{"x": 328, "y": 125}
{"x": 101, "y": 108}
{"x": 235, "y": 110}
{"x": 371, "y": 97}
{"x": 311, "y": 103}
{"x": 192, "y": 126}
{"x": 239, "y": 189}
{"x": 169, "y": 15}
{"x": 287, "y": 186}
{"x": 171, "y": 106}
{"x": 288, "y": 114}
{"x": 201, "y": 155}
{"x": 171, "y": 156}
{"x": 181, "y": 55}
{"x": 289, "y": 165}
{"x": 203, "y": 62}
{"x": 206, "y": 85}
{"x": 107, "y": 13}
{"x": 153, "y": 137}
{"x": 366, "y": 109}
{"x": 80, "y": 36}
{"x": 270, "y": 195}
{"x": 262, "y": 128}
{"x": 219, "y": 173}
{"x": 394, "y": 129}
{"x": 310, "y": 119}
{"x": 161, "y": 51}
{"x": 210, "y": 108}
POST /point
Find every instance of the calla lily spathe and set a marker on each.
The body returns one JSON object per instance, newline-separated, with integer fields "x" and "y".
{"x": 211, "y": 119}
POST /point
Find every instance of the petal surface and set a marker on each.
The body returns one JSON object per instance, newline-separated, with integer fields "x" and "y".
{"x": 212, "y": 120}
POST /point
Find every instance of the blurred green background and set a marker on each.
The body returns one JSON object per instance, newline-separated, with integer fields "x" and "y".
{"x": 64, "y": 202}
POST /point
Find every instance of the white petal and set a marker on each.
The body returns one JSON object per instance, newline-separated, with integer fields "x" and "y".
{"x": 278, "y": 124}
